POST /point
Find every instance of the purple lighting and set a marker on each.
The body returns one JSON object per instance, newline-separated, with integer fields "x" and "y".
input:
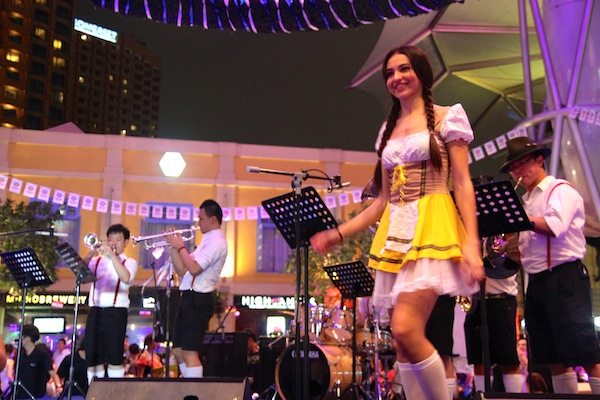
{"x": 272, "y": 16}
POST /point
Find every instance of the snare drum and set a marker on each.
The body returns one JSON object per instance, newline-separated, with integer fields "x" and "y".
{"x": 369, "y": 342}
{"x": 330, "y": 367}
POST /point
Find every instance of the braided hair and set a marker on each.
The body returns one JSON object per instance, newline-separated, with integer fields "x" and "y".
{"x": 422, "y": 67}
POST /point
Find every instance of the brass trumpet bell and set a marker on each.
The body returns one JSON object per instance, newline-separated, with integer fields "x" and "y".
{"x": 91, "y": 240}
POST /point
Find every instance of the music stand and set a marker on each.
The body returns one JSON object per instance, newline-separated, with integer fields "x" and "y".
{"x": 352, "y": 280}
{"x": 82, "y": 275}
{"x": 499, "y": 211}
{"x": 28, "y": 271}
{"x": 298, "y": 215}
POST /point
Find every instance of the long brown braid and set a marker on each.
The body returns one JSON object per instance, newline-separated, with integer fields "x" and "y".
{"x": 420, "y": 64}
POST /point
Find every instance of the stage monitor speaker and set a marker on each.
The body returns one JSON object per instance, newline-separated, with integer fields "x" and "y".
{"x": 225, "y": 354}
{"x": 536, "y": 396}
{"x": 172, "y": 389}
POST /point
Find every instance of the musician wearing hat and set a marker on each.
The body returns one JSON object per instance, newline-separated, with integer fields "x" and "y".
{"x": 558, "y": 309}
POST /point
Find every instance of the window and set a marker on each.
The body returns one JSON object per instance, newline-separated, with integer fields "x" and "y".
{"x": 153, "y": 226}
{"x": 57, "y": 44}
{"x": 61, "y": 29}
{"x": 13, "y": 56}
{"x": 41, "y": 16}
{"x": 39, "y": 33}
{"x": 12, "y": 74}
{"x": 56, "y": 114}
{"x": 16, "y": 19}
{"x": 58, "y": 80}
{"x": 39, "y": 50}
{"x": 58, "y": 62}
{"x": 33, "y": 122}
{"x": 10, "y": 93}
{"x": 38, "y": 68}
{"x": 272, "y": 249}
{"x": 15, "y": 37}
{"x": 34, "y": 104}
{"x": 58, "y": 96}
{"x": 9, "y": 112}
{"x": 36, "y": 86}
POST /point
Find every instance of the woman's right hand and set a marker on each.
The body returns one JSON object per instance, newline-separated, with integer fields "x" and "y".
{"x": 322, "y": 241}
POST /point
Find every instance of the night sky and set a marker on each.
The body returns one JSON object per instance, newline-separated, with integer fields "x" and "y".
{"x": 272, "y": 89}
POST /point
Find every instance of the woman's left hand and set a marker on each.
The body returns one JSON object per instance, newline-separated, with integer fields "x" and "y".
{"x": 473, "y": 263}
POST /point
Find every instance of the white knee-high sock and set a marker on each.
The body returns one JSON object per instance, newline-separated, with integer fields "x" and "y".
{"x": 95, "y": 371}
{"x": 480, "y": 383}
{"x": 115, "y": 371}
{"x": 451, "y": 385}
{"x": 194, "y": 372}
{"x": 410, "y": 385}
{"x": 431, "y": 376}
{"x": 513, "y": 383}
{"x": 565, "y": 383}
{"x": 595, "y": 384}
{"x": 397, "y": 383}
{"x": 182, "y": 369}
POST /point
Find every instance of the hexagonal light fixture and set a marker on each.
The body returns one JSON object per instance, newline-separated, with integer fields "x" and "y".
{"x": 172, "y": 163}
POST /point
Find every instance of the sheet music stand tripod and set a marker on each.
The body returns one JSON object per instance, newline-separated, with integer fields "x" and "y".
{"x": 499, "y": 211}
{"x": 352, "y": 280}
{"x": 28, "y": 272}
{"x": 82, "y": 275}
{"x": 298, "y": 215}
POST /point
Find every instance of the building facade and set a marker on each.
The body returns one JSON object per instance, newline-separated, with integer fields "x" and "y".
{"x": 56, "y": 69}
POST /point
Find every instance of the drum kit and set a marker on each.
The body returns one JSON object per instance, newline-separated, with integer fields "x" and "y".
{"x": 330, "y": 357}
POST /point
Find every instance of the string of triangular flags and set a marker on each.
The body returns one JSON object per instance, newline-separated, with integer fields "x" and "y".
{"x": 491, "y": 147}
{"x": 117, "y": 207}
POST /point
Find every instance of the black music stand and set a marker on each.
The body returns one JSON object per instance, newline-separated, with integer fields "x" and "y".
{"x": 298, "y": 215}
{"x": 499, "y": 211}
{"x": 82, "y": 275}
{"x": 28, "y": 272}
{"x": 352, "y": 280}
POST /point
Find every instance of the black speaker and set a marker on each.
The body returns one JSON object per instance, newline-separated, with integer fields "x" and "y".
{"x": 172, "y": 389}
{"x": 225, "y": 354}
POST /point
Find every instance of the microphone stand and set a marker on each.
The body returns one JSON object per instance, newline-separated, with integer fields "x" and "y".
{"x": 301, "y": 294}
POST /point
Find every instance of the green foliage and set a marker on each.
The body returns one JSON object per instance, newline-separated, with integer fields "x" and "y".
{"x": 354, "y": 248}
{"x": 17, "y": 217}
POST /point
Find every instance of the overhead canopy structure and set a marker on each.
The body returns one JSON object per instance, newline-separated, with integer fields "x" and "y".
{"x": 513, "y": 67}
{"x": 272, "y": 16}
{"x": 475, "y": 50}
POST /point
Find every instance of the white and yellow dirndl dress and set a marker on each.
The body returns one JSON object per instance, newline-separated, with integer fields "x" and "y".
{"x": 419, "y": 239}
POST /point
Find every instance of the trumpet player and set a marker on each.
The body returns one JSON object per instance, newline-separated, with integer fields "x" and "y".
{"x": 199, "y": 271}
{"x": 109, "y": 303}
{"x": 558, "y": 309}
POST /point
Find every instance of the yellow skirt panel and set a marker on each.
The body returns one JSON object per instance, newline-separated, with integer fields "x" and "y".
{"x": 439, "y": 234}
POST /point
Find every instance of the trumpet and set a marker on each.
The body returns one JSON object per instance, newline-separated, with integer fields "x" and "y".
{"x": 186, "y": 235}
{"x": 91, "y": 240}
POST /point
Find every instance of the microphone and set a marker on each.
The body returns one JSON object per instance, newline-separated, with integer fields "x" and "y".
{"x": 337, "y": 184}
{"x": 253, "y": 169}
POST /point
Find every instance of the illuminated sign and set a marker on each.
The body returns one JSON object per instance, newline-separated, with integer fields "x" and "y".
{"x": 46, "y": 299}
{"x": 96, "y": 31}
{"x": 259, "y": 302}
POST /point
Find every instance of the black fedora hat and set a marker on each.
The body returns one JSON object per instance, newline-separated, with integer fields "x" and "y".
{"x": 519, "y": 147}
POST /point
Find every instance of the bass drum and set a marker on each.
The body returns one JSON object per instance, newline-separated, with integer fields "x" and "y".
{"x": 330, "y": 368}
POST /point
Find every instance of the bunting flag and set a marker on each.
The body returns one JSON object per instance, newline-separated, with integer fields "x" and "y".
{"x": 117, "y": 207}
{"x": 186, "y": 213}
{"x": 272, "y": 16}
